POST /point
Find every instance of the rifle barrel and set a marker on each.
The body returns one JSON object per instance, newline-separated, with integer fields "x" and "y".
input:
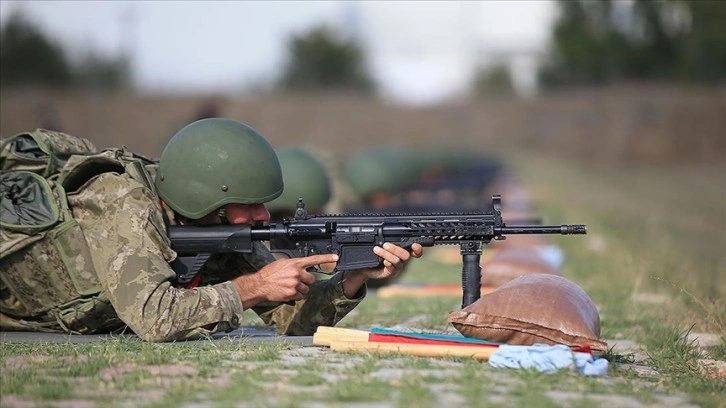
{"x": 564, "y": 229}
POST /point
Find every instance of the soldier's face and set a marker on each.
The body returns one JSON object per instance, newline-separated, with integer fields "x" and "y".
{"x": 234, "y": 214}
{"x": 246, "y": 213}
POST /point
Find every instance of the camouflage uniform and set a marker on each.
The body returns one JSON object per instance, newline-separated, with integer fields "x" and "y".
{"x": 125, "y": 228}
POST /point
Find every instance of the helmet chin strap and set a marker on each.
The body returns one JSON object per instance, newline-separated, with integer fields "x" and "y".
{"x": 222, "y": 212}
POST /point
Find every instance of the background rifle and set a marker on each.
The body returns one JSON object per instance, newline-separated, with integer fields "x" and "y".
{"x": 352, "y": 238}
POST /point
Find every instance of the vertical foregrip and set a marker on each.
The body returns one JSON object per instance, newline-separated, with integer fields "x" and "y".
{"x": 470, "y": 279}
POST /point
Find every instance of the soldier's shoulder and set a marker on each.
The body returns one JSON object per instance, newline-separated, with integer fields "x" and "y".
{"x": 113, "y": 187}
{"x": 113, "y": 182}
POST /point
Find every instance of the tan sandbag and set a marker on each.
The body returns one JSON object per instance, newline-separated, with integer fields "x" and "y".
{"x": 520, "y": 241}
{"x": 531, "y": 309}
{"x": 425, "y": 290}
{"x": 510, "y": 263}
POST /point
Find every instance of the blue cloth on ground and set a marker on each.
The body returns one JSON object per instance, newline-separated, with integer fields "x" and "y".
{"x": 552, "y": 254}
{"x": 548, "y": 359}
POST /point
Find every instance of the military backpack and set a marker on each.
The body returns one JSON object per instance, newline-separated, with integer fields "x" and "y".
{"x": 47, "y": 277}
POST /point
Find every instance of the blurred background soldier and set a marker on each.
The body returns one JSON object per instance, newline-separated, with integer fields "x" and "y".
{"x": 211, "y": 108}
{"x": 377, "y": 176}
{"x": 304, "y": 176}
{"x": 397, "y": 180}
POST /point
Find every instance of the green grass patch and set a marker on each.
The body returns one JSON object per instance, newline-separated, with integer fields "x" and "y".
{"x": 415, "y": 392}
{"x": 308, "y": 379}
{"x": 361, "y": 389}
{"x": 677, "y": 359}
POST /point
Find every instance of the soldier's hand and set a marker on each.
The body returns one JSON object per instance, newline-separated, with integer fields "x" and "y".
{"x": 394, "y": 260}
{"x": 280, "y": 281}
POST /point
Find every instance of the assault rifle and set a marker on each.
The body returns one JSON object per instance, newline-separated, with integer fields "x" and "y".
{"x": 352, "y": 238}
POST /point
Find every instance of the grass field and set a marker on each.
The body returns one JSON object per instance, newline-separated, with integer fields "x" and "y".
{"x": 662, "y": 227}
{"x": 653, "y": 262}
{"x": 652, "y": 239}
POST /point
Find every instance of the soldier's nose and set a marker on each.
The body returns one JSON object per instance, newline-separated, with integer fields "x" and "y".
{"x": 261, "y": 213}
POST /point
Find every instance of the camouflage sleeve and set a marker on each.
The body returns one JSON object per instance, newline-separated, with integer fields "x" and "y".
{"x": 131, "y": 256}
{"x": 325, "y": 305}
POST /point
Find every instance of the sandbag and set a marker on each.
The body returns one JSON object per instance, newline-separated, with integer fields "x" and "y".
{"x": 520, "y": 241}
{"x": 510, "y": 263}
{"x": 540, "y": 308}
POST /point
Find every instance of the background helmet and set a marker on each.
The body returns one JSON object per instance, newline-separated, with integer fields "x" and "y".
{"x": 304, "y": 176}
{"x": 385, "y": 170}
{"x": 216, "y": 161}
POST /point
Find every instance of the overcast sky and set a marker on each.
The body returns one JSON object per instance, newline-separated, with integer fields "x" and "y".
{"x": 418, "y": 51}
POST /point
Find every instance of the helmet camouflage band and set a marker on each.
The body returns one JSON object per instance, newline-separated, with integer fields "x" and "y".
{"x": 216, "y": 161}
{"x": 304, "y": 176}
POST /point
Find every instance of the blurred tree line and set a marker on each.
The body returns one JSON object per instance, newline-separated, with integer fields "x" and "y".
{"x": 317, "y": 59}
{"x": 602, "y": 41}
{"x": 594, "y": 42}
{"x": 29, "y": 57}
{"x": 322, "y": 59}
{"x": 495, "y": 80}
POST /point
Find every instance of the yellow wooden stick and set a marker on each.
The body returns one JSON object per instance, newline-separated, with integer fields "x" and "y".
{"x": 423, "y": 350}
{"x": 339, "y": 330}
{"x": 325, "y": 335}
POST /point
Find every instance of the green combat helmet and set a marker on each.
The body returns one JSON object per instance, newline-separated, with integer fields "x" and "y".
{"x": 213, "y": 162}
{"x": 381, "y": 171}
{"x": 304, "y": 176}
